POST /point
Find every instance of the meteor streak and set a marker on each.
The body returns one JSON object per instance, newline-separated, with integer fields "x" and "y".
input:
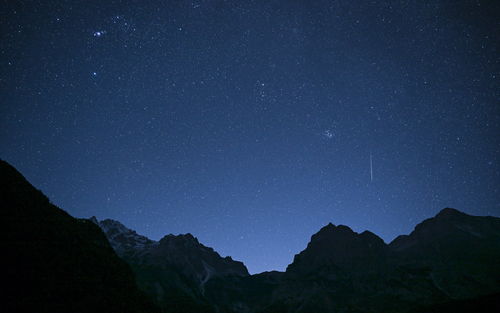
{"x": 371, "y": 167}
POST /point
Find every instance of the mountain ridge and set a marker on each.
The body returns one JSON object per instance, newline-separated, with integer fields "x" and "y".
{"x": 341, "y": 258}
{"x": 57, "y": 263}
{"x": 177, "y": 265}
{"x": 448, "y": 263}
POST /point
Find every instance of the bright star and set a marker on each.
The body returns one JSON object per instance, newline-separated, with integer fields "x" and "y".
{"x": 99, "y": 33}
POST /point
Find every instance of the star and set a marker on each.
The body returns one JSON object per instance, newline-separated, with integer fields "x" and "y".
{"x": 328, "y": 134}
{"x": 99, "y": 33}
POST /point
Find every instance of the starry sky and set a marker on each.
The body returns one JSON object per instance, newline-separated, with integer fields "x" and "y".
{"x": 252, "y": 124}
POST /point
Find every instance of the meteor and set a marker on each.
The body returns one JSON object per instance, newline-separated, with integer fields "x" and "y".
{"x": 371, "y": 167}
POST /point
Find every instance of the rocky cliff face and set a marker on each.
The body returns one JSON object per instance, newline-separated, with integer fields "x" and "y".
{"x": 55, "y": 263}
{"x": 173, "y": 270}
{"x": 125, "y": 241}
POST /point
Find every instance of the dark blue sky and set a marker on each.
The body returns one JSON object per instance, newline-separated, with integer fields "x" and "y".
{"x": 250, "y": 124}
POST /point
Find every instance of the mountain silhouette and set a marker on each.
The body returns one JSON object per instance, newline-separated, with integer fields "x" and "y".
{"x": 57, "y": 263}
{"x": 449, "y": 263}
{"x": 174, "y": 270}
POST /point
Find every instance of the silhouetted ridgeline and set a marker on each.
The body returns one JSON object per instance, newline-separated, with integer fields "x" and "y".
{"x": 449, "y": 262}
{"x": 56, "y": 263}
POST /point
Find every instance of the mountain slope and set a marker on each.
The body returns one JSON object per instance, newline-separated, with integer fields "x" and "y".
{"x": 174, "y": 270}
{"x": 462, "y": 251}
{"x": 449, "y": 262}
{"x": 56, "y": 263}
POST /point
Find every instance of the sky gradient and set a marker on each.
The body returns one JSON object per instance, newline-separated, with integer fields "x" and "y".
{"x": 251, "y": 124}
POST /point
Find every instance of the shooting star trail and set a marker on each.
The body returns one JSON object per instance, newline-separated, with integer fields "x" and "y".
{"x": 371, "y": 167}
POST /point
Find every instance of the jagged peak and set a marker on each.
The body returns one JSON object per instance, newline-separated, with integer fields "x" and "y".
{"x": 330, "y": 231}
{"x": 343, "y": 232}
{"x": 446, "y": 216}
{"x": 331, "y": 234}
{"x": 446, "y": 224}
{"x": 368, "y": 233}
{"x": 94, "y": 220}
{"x": 344, "y": 228}
{"x": 449, "y": 212}
{"x": 189, "y": 238}
{"x": 332, "y": 228}
{"x": 111, "y": 222}
{"x": 108, "y": 224}
{"x": 339, "y": 245}
{"x": 197, "y": 256}
{"x": 122, "y": 238}
{"x": 371, "y": 236}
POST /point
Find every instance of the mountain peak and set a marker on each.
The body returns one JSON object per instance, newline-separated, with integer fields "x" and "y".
{"x": 449, "y": 212}
{"x": 332, "y": 230}
{"x": 447, "y": 228}
{"x": 94, "y": 220}
{"x": 121, "y": 238}
{"x": 184, "y": 238}
{"x": 178, "y": 255}
{"x": 339, "y": 246}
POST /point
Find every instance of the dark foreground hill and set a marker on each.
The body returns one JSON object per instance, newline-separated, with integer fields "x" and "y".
{"x": 53, "y": 262}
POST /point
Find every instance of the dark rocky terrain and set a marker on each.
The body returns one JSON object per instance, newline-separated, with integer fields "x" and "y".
{"x": 174, "y": 270}
{"x": 56, "y": 263}
{"x": 53, "y": 262}
{"x": 449, "y": 262}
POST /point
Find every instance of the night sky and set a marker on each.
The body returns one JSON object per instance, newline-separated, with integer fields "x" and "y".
{"x": 252, "y": 124}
